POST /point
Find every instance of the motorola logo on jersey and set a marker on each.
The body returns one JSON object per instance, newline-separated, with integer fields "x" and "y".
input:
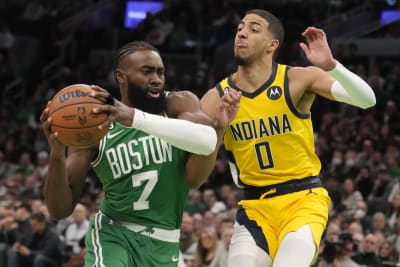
{"x": 274, "y": 92}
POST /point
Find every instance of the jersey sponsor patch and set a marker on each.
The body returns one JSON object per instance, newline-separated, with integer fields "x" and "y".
{"x": 274, "y": 92}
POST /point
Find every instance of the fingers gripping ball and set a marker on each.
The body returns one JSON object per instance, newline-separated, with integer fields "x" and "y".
{"x": 71, "y": 111}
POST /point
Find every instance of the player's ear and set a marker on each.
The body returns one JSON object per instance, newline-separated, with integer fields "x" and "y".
{"x": 120, "y": 76}
{"x": 273, "y": 45}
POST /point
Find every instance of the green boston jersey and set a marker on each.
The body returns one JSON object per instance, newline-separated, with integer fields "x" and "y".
{"x": 143, "y": 178}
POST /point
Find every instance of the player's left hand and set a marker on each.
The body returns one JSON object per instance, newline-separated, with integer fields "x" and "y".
{"x": 117, "y": 110}
{"x": 317, "y": 49}
{"x": 228, "y": 107}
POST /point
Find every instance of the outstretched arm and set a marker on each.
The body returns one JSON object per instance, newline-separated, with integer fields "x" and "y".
{"x": 347, "y": 86}
{"x": 185, "y": 133}
{"x": 221, "y": 111}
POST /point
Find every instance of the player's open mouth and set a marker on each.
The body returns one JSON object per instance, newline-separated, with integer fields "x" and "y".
{"x": 154, "y": 93}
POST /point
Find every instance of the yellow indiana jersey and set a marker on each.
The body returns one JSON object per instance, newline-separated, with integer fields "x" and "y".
{"x": 269, "y": 141}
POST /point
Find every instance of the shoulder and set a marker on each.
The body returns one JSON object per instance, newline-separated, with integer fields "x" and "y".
{"x": 181, "y": 98}
{"x": 182, "y": 101}
{"x": 304, "y": 72}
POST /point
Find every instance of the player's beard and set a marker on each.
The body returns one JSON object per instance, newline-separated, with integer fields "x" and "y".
{"x": 140, "y": 99}
{"x": 242, "y": 61}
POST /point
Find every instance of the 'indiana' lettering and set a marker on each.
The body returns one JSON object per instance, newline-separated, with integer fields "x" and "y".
{"x": 259, "y": 128}
{"x": 72, "y": 94}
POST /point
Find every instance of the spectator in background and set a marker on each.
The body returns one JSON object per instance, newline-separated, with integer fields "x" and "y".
{"x": 188, "y": 238}
{"x": 209, "y": 220}
{"x": 194, "y": 203}
{"x": 387, "y": 254}
{"x": 379, "y": 224}
{"x": 381, "y": 189}
{"x": 393, "y": 212}
{"x": 351, "y": 196}
{"x": 198, "y": 222}
{"x": 17, "y": 230}
{"x": 211, "y": 201}
{"x": 44, "y": 249}
{"x": 369, "y": 255}
{"x": 364, "y": 181}
{"x": 75, "y": 232}
{"x": 207, "y": 247}
{"x": 360, "y": 214}
{"x": 226, "y": 232}
{"x": 42, "y": 165}
{"x": 391, "y": 115}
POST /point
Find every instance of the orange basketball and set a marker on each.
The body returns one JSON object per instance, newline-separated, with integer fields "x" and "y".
{"x": 71, "y": 111}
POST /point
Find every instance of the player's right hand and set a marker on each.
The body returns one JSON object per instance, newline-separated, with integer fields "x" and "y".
{"x": 228, "y": 107}
{"x": 56, "y": 146}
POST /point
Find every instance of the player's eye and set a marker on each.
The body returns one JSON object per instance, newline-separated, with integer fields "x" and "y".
{"x": 146, "y": 72}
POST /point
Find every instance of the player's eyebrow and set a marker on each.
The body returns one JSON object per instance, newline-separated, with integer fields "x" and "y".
{"x": 251, "y": 23}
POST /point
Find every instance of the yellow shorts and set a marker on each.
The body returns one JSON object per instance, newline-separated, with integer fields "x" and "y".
{"x": 280, "y": 215}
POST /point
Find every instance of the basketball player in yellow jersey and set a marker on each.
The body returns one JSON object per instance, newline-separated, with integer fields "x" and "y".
{"x": 271, "y": 145}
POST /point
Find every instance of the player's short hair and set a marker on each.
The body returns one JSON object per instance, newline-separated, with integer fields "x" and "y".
{"x": 130, "y": 48}
{"x": 274, "y": 24}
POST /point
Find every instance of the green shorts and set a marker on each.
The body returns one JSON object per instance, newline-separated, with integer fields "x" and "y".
{"x": 109, "y": 244}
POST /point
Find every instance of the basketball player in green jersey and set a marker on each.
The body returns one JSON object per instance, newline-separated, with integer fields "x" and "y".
{"x": 271, "y": 142}
{"x": 147, "y": 161}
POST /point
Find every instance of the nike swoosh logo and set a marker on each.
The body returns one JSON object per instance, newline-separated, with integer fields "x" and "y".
{"x": 175, "y": 259}
{"x": 112, "y": 135}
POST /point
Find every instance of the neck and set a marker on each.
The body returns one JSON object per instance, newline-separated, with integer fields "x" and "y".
{"x": 250, "y": 77}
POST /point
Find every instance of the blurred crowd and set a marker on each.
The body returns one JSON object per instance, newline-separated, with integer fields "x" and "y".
{"x": 359, "y": 149}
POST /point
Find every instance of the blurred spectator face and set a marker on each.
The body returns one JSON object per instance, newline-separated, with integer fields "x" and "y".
{"x": 385, "y": 130}
{"x": 226, "y": 235}
{"x": 358, "y": 239}
{"x": 396, "y": 201}
{"x": 364, "y": 172}
{"x": 348, "y": 186}
{"x": 360, "y": 210}
{"x": 208, "y": 196}
{"x": 37, "y": 226}
{"x": 209, "y": 219}
{"x": 195, "y": 196}
{"x": 208, "y": 239}
{"x": 386, "y": 249}
{"x": 80, "y": 213}
{"x": 25, "y": 159}
{"x": 232, "y": 200}
{"x": 197, "y": 221}
{"x": 332, "y": 233}
{"x": 368, "y": 146}
{"x": 226, "y": 190}
{"x": 370, "y": 244}
{"x": 355, "y": 227}
{"x": 378, "y": 222}
{"x": 36, "y": 205}
{"x": 391, "y": 107}
{"x": 391, "y": 161}
{"x": 42, "y": 158}
{"x": 187, "y": 224}
{"x": 21, "y": 213}
{"x": 30, "y": 182}
{"x": 350, "y": 158}
{"x": 337, "y": 158}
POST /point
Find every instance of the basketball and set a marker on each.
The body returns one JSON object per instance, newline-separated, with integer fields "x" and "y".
{"x": 71, "y": 111}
